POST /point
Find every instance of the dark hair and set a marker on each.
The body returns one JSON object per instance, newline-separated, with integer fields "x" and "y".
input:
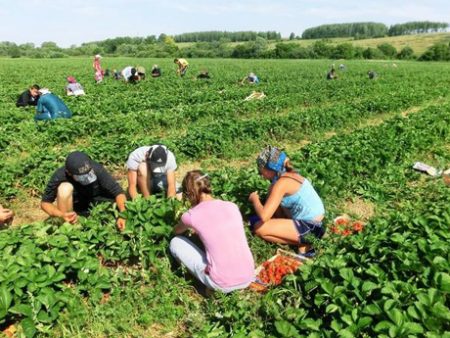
{"x": 35, "y": 86}
{"x": 175, "y": 60}
{"x": 194, "y": 184}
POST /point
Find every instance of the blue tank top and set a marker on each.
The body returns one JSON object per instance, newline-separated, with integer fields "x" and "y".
{"x": 304, "y": 204}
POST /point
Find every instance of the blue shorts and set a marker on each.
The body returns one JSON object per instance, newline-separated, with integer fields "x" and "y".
{"x": 305, "y": 228}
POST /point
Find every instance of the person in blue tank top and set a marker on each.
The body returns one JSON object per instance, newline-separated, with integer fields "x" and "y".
{"x": 293, "y": 209}
{"x": 50, "y": 107}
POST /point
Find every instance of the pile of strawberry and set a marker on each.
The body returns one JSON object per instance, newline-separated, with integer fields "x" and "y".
{"x": 273, "y": 271}
{"x": 344, "y": 226}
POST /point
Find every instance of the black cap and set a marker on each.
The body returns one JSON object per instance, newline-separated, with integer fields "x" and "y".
{"x": 157, "y": 157}
{"x": 78, "y": 163}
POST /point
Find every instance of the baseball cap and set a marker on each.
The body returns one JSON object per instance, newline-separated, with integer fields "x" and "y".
{"x": 79, "y": 165}
{"x": 157, "y": 157}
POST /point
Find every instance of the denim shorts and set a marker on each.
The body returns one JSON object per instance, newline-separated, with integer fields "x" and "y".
{"x": 305, "y": 228}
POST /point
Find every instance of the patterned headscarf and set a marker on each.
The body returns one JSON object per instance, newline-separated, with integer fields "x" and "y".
{"x": 271, "y": 158}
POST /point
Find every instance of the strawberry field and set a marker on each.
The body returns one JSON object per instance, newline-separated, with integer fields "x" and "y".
{"x": 356, "y": 139}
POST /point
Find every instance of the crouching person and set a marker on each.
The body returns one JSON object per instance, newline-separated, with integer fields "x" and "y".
{"x": 77, "y": 186}
{"x": 51, "y": 107}
{"x": 151, "y": 169}
{"x": 227, "y": 264}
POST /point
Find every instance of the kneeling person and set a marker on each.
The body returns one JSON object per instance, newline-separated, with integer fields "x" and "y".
{"x": 151, "y": 169}
{"x": 77, "y": 186}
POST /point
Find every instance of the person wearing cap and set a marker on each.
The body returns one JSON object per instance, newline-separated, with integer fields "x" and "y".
{"x": 182, "y": 66}
{"x": 73, "y": 88}
{"x": 129, "y": 74}
{"x": 293, "y": 209}
{"x": 50, "y": 107}
{"x": 156, "y": 71}
{"x": 226, "y": 262}
{"x": 29, "y": 97}
{"x": 98, "y": 76}
{"x": 77, "y": 186}
{"x": 151, "y": 169}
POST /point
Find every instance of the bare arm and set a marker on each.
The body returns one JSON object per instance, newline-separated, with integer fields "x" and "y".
{"x": 171, "y": 184}
{"x": 180, "y": 228}
{"x": 53, "y": 211}
{"x": 120, "y": 201}
{"x": 132, "y": 183}
{"x": 266, "y": 211}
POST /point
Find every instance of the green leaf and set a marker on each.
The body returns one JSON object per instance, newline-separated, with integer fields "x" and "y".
{"x": 5, "y": 300}
{"x": 372, "y": 309}
{"x": 369, "y": 286}
{"x": 413, "y": 328}
{"x": 396, "y": 316}
{"x": 383, "y": 326}
{"x": 28, "y": 327}
{"x": 286, "y": 329}
{"x": 332, "y": 308}
{"x": 346, "y": 334}
{"x": 22, "y": 309}
{"x": 443, "y": 281}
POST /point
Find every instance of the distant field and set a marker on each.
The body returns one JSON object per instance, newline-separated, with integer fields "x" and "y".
{"x": 419, "y": 42}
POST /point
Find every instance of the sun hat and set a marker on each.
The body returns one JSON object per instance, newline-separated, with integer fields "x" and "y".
{"x": 98, "y": 56}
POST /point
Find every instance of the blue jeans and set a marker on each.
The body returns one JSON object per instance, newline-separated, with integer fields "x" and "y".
{"x": 46, "y": 115}
{"x": 188, "y": 254}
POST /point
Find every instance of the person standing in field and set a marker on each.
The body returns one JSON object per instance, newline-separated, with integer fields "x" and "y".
{"x": 77, "y": 186}
{"x": 98, "y": 76}
{"x": 73, "y": 88}
{"x": 182, "y": 66}
{"x": 51, "y": 107}
{"x": 29, "y": 97}
{"x": 227, "y": 263}
{"x": 151, "y": 169}
{"x": 293, "y": 209}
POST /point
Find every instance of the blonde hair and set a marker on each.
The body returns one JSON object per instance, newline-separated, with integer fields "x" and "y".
{"x": 196, "y": 183}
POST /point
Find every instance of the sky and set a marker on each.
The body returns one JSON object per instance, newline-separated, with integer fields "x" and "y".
{"x": 75, "y": 21}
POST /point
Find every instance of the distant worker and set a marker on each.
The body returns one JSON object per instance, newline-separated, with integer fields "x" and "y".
{"x": 106, "y": 73}
{"x": 331, "y": 75}
{"x": 74, "y": 88}
{"x": 182, "y": 66}
{"x": 78, "y": 185}
{"x": 371, "y": 74}
{"x": 204, "y": 74}
{"x": 6, "y": 216}
{"x": 141, "y": 72}
{"x": 342, "y": 67}
{"x": 50, "y": 107}
{"x": 225, "y": 263}
{"x": 129, "y": 74}
{"x": 116, "y": 74}
{"x": 151, "y": 169}
{"x": 250, "y": 78}
{"x": 29, "y": 97}
{"x": 98, "y": 76}
{"x": 156, "y": 71}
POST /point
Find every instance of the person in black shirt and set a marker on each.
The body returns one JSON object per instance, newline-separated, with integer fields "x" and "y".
{"x": 81, "y": 183}
{"x": 29, "y": 97}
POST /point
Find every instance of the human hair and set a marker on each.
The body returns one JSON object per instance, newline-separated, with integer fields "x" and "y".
{"x": 194, "y": 184}
{"x": 288, "y": 166}
{"x": 35, "y": 86}
{"x": 175, "y": 60}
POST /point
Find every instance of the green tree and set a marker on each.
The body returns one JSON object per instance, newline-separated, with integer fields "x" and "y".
{"x": 406, "y": 53}
{"x": 388, "y": 50}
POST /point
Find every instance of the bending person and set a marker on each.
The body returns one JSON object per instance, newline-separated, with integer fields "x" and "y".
{"x": 73, "y": 88}
{"x": 29, "y": 97}
{"x": 182, "y": 66}
{"x": 151, "y": 169}
{"x": 51, "y": 107}
{"x": 227, "y": 264}
{"x": 79, "y": 185}
{"x": 293, "y": 209}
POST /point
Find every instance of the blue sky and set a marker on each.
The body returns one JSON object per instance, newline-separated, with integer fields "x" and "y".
{"x": 76, "y": 21}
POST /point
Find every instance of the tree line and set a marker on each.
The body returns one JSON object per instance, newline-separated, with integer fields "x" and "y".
{"x": 361, "y": 30}
{"x": 232, "y": 36}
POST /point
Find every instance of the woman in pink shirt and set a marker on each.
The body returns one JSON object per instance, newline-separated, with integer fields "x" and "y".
{"x": 98, "y": 69}
{"x": 227, "y": 264}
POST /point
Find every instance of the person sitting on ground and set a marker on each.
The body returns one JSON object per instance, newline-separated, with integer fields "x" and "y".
{"x": 331, "y": 75}
{"x": 156, "y": 71}
{"x": 204, "y": 74}
{"x": 77, "y": 186}
{"x": 227, "y": 264}
{"x": 182, "y": 66}
{"x": 98, "y": 75}
{"x": 371, "y": 74}
{"x": 293, "y": 209}
{"x": 74, "y": 88}
{"x": 129, "y": 74}
{"x": 29, "y": 97}
{"x": 140, "y": 72}
{"x": 151, "y": 169}
{"x": 6, "y": 216}
{"x": 250, "y": 78}
{"x": 50, "y": 107}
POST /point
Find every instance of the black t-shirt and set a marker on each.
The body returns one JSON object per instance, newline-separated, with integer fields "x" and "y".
{"x": 104, "y": 187}
{"x": 26, "y": 99}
